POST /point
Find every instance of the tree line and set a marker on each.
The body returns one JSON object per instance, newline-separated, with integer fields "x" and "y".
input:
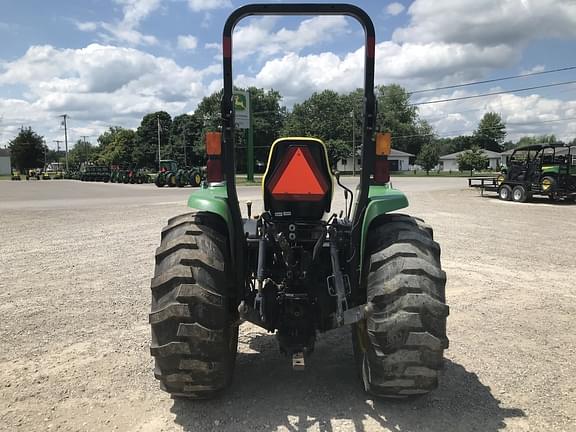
{"x": 331, "y": 116}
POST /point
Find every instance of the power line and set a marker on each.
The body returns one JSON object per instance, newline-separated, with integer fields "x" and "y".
{"x": 493, "y": 80}
{"x": 500, "y": 105}
{"x": 449, "y": 133}
{"x": 494, "y": 93}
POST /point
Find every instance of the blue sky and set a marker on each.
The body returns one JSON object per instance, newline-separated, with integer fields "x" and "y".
{"x": 109, "y": 62}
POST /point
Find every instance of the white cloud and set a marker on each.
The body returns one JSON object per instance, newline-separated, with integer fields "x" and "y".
{"x": 523, "y": 114}
{"x": 395, "y": 8}
{"x": 125, "y": 30}
{"x": 413, "y": 65}
{"x": 203, "y": 5}
{"x": 535, "y": 69}
{"x": 98, "y": 85}
{"x": 258, "y": 37}
{"x": 87, "y": 26}
{"x": 488, "y": 22}
{"x": 187, "y": 42}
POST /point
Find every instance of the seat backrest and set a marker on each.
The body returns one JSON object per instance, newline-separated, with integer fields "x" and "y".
{"x": 298, "y": 181}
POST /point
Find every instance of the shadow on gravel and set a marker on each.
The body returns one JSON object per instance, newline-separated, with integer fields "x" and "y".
{"x": 533, "y": 200}
{"x": 266, "y": 394}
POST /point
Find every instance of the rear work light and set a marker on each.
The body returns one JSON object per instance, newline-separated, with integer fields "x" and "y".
{"x": 298, "y": 177}
{"x": 381, "y": 165}
{"x": 214, "y": 153}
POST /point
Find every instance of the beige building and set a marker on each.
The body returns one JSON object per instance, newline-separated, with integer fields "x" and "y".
{"x": 5, "y": 164}
{"x": 449, "y": 162}
{"x": 399, "y": 161}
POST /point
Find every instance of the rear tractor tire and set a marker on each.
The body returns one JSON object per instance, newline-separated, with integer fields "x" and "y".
{"x": 399, "y": 349}
{"x": 160, "y": 180}
{"x": 195, "y": 179}
{"x": 193, "y": 319}
{"x": 171, "y": 179}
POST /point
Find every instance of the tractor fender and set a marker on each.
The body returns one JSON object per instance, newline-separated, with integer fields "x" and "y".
{"x": 214, "y": 199}
{"x": 381, "y": 200}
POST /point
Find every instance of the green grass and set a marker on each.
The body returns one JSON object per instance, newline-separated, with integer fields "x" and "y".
{"x": 241, "y": 180}
{"x": 442, "y": 174}
{"x": 5, "y": 177}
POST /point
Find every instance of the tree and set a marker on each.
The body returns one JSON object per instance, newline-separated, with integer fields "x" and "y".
{"x": 491, "y": 132}
{"x": 473, "y": 159}
{"x": 116, "y": 146}
{"x": 397, "y": 116}
{"x": 186, "y": 140}
{"x": 145, "y": 153}
{"x": 268, "y": 117}
{"x": 429, "y": 156}
{"x": 337, "y": 150}
{"x": 537, "y": 139}
{"x": 83, "y": 151}
{"x": 27, "y": 150}
{"x": 324, "y": 115}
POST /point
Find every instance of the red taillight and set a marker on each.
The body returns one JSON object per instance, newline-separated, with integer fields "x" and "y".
{"x": 298, "y": 178}
{"x": 214, "y": 171}
{"x": 381, "y": 170}
{"x": 214, "y": 152}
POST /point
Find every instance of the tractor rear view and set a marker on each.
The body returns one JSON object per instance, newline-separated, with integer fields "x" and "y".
{"x": 298, "y": 269}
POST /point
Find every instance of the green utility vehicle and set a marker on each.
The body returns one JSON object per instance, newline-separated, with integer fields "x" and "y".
{"x": 298, "y": 268}
{"x": 547, "y": 170}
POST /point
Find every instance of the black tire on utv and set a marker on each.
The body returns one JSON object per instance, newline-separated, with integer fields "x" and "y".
{"x": 194, "y": 320}
{"x": 399, "y": 349}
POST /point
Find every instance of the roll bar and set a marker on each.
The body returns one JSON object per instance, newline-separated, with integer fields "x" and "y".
{"x": 369, "y": 109}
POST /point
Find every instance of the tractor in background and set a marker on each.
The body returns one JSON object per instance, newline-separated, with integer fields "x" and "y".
{"x": 170, "y": 175}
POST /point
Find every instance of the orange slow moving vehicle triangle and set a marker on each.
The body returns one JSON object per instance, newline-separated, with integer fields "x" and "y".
{"x": 298, "y": 178}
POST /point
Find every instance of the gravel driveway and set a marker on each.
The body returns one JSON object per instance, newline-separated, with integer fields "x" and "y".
{"x": 75, "y": 265}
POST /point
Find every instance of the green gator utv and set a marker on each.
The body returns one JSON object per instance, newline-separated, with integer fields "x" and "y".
{"x": 540, "y": 169}
{"x": 298, "y": 269}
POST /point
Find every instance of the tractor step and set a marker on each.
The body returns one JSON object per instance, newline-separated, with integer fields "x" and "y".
{"x": 298, "y": 363}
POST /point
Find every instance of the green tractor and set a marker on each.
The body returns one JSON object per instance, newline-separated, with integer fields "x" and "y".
{"x": 188, "y": 176}
{"x": 298, "y": 269}
{"x": 540, "y": 169}
{"x": 98, "y": 173}
{"x": 116, "y": 174}
{"x": 167, "y": 173}
{"x": 173, "y": 176}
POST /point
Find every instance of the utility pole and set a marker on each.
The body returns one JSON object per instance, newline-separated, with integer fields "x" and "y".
{"x": 158, "y": 120}
{"x": 353, "y": 144}
{"x": 185, "y": 143}
{"x": 58, "y": 150}
{"x": 85, "y": 147}
{"x": 65, "y": 116}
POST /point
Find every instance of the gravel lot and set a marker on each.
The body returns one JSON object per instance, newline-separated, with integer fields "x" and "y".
{"x": 75, "y": 265}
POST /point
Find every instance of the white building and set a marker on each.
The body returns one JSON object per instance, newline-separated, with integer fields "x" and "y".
{"x": 449, "y": 162}
{"x": 5, "y": 165}
{"x": 399, "y": 161}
